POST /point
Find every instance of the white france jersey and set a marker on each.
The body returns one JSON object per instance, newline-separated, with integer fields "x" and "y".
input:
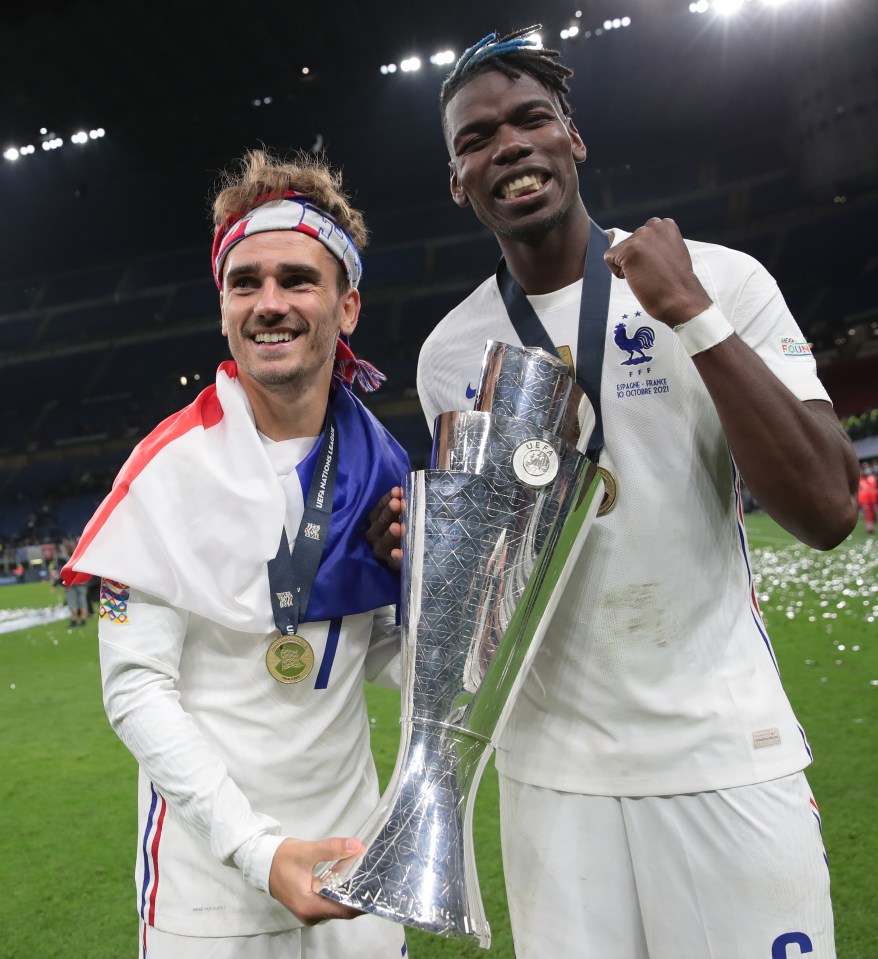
{"x": 229, "y": 755}
{"x": 248, "y": 755}
{"x": 656, "y": 675}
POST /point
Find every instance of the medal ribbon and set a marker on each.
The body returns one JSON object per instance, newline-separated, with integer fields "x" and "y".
{"x": 593, "y": 307}
{"x": 291, "y": 577}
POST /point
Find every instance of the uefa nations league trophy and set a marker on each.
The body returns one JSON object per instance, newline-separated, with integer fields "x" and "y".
{"x": 491, "y": 534}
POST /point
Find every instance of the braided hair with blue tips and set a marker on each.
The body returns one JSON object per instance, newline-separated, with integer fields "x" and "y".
{"x": 512, "y": 55}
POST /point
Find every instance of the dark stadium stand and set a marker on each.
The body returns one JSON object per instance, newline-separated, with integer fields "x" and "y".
{"x": 102, "y": 320}
{"x": 166, "y": 270}
{"x": 72, "y": 287}
{"x": 16, "y": 295}
{"x": 194, "y": 300}
{"x": 92, "y": 359}
{"x": 17, "y": 333}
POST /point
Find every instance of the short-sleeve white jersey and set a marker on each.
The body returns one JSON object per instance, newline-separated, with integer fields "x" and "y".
{"x": 656, "y": 675}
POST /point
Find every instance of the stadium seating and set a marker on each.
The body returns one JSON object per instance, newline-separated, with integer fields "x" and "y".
{"x": 92, "y": 359}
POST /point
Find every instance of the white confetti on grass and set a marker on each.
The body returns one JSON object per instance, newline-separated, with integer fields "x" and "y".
{"x": 15, "y": 619}
{"x": 792, "y": 579}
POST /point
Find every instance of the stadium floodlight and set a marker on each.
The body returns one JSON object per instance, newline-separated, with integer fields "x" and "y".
{"x": 537, "y": 40}
{"x": 410, "y": 64}
{"x": 727, "y": 8}
{"x": 570, "y": 32}
{"x": 442, "y": 57}
{"x": 80, "y": 137}
{"x": 626, "y": 21}
{"x": 11, "y": 154}
{"x": 699, "y": 6}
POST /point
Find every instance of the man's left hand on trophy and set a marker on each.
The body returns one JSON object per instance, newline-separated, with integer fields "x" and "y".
{"x": 292, "y": 877}
{"x": 386, "y": 529}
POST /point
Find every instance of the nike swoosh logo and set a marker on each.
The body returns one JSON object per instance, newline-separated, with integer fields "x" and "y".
{"x": 470, "y": 392}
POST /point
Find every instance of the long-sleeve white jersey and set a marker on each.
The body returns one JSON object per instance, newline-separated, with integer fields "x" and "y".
{"x": 231, "y": 760}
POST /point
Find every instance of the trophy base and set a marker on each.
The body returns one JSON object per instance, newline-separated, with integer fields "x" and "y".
{"x": 406, "y": 912}
{"x": 418, "y": 868}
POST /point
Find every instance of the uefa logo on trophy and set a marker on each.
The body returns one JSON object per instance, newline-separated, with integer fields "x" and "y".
{"x": 491, "y": 534}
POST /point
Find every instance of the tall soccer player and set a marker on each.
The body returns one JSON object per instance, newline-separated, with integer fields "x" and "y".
{"x": 241, "y": 606}
{"x": 654, "y": 804}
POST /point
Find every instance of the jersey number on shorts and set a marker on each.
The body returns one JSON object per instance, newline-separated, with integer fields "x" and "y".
{"x": 779, "y": 946}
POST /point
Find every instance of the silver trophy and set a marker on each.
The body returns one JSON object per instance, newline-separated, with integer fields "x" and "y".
{"x": 491, "y": 535}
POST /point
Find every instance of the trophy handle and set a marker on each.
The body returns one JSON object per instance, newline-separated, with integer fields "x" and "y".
{"x": 508, "y": 669}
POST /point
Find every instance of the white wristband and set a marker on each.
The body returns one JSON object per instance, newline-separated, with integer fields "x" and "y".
{"x": 704, "y": 331}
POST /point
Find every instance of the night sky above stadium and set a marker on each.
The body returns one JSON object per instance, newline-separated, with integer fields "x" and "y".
{"x": 181, "y": 90}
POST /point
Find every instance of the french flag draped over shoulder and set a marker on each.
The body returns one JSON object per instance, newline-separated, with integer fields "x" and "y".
{"x": 197, "y": 511}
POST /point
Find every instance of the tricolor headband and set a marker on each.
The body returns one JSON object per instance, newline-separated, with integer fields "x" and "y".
{"x": 291, "y": 212}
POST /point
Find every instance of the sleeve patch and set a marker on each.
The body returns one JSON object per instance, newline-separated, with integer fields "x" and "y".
{"x": 794, "y": 349}
{"x": 114, "y": 602}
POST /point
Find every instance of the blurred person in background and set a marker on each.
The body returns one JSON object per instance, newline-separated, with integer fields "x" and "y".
{"x": 77, "y": 602}
{"x": 867, "y": 495}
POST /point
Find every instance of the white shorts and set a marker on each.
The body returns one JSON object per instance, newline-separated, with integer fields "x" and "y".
{"x": 366, "y": 937}
{"x": 733, "y": 874}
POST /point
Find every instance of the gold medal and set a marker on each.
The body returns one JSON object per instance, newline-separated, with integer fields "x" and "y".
{"x": 610, "y": 491}
{"x": 290, "y": 659}
{"x": 566, "y": 355}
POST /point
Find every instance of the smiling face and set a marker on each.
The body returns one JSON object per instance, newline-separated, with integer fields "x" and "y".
{"x": 282, "y": 311}
{"x": 513, "y": 154}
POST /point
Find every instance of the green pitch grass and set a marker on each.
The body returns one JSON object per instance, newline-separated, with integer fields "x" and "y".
{"x": 67, "y": 790}
{"x": 31, "y": 595}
